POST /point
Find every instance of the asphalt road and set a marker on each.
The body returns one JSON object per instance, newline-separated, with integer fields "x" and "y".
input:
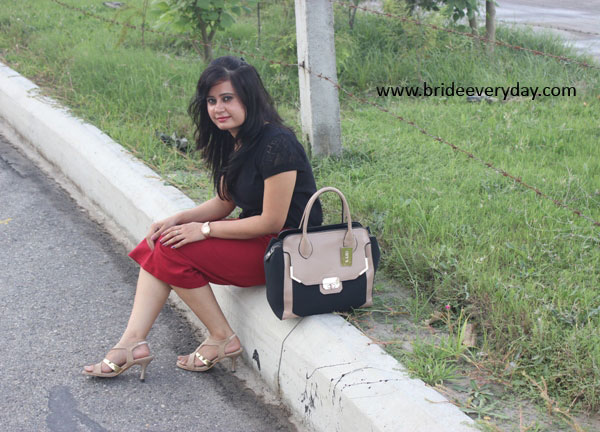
{"x": 66, "y": 288}
{"x": 578, "y": 21}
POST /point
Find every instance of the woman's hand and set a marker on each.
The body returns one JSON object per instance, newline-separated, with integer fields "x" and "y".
{"x": 180, "y": 235}
{"x": 157, "y": 228}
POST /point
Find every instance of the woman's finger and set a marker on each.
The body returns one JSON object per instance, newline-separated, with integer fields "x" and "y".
{"x": 171, "y": 230}
{"x": 155, "y": 232}
{"x": 171, "y": 237}
{"x": 151, "y": 237}
{"x": 166, "y": 240}
{"x": 179, "y": 244}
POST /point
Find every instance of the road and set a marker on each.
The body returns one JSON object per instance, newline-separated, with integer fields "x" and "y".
{"x": 578, "y": 21}
{"x": 66, "y": 289}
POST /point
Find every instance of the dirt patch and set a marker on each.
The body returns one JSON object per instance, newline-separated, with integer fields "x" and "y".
{"x": 399, "y": 321}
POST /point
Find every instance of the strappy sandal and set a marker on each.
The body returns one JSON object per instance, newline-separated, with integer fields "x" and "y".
{"x": 118, "y": 370}
{"x": 206, "y": 363}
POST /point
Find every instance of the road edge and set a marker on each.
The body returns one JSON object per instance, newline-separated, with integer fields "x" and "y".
{"x": 326, "y": 371}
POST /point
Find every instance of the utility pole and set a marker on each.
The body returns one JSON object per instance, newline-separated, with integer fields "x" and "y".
{"x": 319, "y": 102}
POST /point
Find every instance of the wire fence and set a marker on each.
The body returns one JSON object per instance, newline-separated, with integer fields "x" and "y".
{"x": 470, "y": 155}
{"x": 469, "y": 35}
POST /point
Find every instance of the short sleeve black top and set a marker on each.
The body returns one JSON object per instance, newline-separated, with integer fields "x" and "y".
{"x": 277, "y": 150}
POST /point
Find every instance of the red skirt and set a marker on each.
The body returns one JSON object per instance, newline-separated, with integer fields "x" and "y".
{"x": 221, "y": 261}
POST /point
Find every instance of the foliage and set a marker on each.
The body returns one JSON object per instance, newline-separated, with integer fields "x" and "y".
{"x": 127, "y": 14}
{"x": 352, "y": 14}
{"x": 481, "y": 401}
{"x": 199, "y": 18}
{"x": 437, "y": 362}
{"x": 430, "y": 363}
{"x": 458, "y": 8}
{"x": 451, "y": 229}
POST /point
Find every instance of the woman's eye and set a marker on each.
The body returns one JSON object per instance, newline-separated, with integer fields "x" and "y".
{"x": 210, "y": 101}
{"x": 227, "y": 98}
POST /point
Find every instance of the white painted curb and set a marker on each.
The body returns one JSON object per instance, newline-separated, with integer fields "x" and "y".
{"x": 324, "y": 369}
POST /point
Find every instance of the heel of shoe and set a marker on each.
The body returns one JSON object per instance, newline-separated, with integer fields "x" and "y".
{"x": 144, "y": 364}
{"x": 207, "y": 364}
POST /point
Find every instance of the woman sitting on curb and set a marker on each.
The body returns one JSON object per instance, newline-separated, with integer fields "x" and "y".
{"x": 258, "y": 165}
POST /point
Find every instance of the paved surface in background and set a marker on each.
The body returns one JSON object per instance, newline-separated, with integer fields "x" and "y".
{"x": 575, "y": 18}
{"x": 66, "y": 289}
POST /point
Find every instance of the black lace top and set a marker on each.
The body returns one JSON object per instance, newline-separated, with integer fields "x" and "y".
{"x": 276, "y": 151}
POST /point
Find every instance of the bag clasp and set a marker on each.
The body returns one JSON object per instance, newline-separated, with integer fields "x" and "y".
{"x": 331, "y": 283}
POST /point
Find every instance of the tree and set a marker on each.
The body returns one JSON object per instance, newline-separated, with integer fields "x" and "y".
{"x": 131, "y": 12}
{"x": 490, "y": 24}
{"x": 199, "y": 17}
{"x": 459, "y": 9}
{"x": 352, "y": 14}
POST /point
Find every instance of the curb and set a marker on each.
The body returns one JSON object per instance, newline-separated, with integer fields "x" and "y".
{"x": 323, "y": 368}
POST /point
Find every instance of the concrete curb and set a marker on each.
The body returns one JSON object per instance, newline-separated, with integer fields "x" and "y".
{"x": 324, "y": 369}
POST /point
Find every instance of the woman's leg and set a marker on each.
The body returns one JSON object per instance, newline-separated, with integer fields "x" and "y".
{"x": 203, "y": 303}
{"x": 150, "y": 296}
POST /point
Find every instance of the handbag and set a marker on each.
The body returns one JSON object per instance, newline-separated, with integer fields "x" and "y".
{"x": 321, "y": 269}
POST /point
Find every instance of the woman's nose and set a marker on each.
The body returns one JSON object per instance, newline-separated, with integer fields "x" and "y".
{"x": 219, "y": 106}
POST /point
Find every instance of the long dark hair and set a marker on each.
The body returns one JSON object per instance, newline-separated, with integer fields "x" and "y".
{"x": 217, "y": 146}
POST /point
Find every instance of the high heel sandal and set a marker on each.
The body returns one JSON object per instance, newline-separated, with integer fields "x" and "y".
{"x": 118, "y": 370}
{"x": 206, "y": 363}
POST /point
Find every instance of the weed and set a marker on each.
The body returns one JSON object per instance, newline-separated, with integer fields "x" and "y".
{"x": 451, "y": 230}
{"x": 430, "y": 363}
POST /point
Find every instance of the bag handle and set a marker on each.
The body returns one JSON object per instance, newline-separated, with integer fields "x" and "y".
{"x": 305, "y": 245}
{"x": 304, "y": 213}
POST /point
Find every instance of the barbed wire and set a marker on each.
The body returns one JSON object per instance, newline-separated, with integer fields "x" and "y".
{"x": 470, "y": 155}
{"x": 470, "y": 35}
{"x": 454, "y": 147}
{"x": 163, "y": 33}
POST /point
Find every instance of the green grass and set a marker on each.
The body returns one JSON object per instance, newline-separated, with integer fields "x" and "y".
{"x": 452, "y": 230}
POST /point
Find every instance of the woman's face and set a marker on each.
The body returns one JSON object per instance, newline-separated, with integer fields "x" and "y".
{"x": 225, "y": 108}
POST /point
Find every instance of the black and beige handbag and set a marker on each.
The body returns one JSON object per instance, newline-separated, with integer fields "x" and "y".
{"x": 315, "y": 270}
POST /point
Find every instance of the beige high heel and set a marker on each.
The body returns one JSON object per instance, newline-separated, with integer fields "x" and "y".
{"x": 207, "y": 364}
{"x": 118, "y": 370}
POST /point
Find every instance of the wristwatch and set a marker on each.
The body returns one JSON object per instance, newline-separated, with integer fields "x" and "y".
{"x": 206, "y": 229}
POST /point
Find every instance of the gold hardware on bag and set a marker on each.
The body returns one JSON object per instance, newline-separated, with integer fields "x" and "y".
{"x": 331, "y": 283}
{"x": 346, "y": 256}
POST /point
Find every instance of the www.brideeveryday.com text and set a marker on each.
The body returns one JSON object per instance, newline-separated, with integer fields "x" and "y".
{"x": 503, "y": 92}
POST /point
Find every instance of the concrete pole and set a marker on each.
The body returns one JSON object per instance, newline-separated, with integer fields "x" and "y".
{"x": 319, "y": 103}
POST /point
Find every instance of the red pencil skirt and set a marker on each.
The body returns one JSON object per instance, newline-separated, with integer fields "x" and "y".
{"x": 221, "y": 261}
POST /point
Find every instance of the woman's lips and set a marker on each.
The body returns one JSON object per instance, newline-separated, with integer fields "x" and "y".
{"x": 222, "y": 119}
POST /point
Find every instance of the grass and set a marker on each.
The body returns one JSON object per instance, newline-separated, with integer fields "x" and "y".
{"x": 452, "y": 230}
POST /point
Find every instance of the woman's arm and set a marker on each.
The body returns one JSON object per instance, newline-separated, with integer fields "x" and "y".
{"x": 276, "y": 204}
{"x": 213, "y": 209}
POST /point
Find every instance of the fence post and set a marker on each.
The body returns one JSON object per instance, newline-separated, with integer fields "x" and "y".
{"x": 319, "y": 103}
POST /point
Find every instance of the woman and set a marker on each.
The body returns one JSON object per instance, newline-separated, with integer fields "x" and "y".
{"x": 257, "y": 164}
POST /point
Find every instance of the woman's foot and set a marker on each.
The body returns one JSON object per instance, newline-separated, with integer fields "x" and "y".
{"x": 209, "y": 350}
{"x": 119, "y": 356}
